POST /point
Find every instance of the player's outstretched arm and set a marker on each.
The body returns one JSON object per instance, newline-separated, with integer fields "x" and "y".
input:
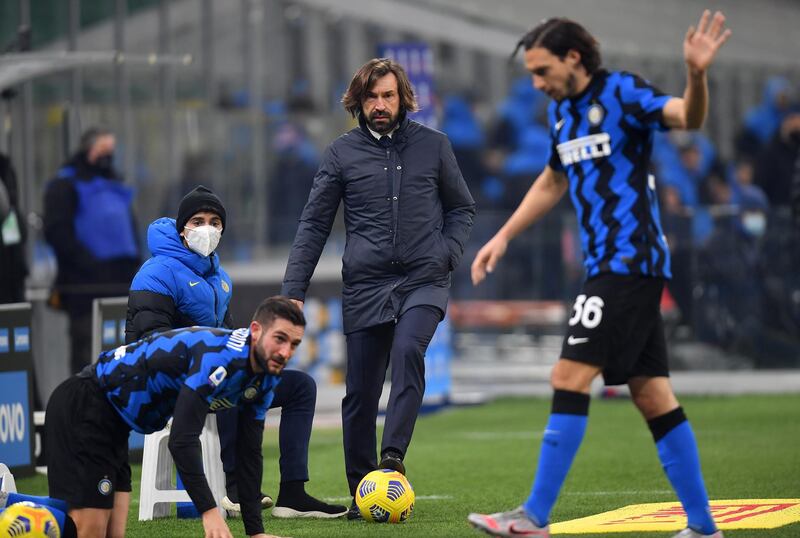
{"x": 700, "y": 46}
{"x": 543, "y": 195}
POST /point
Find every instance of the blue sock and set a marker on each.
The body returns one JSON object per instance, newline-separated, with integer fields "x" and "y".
{"x": 677, "y": 450}
{"x": 562, "y": 437}
{"x": 45, "y": 501}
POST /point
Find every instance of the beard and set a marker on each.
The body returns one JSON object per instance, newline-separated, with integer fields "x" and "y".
{"x": 263, "y": 360}
{"x": 385, "y": 126}
{"x": 570, "y": 86}
{"x": 569, "y": 89}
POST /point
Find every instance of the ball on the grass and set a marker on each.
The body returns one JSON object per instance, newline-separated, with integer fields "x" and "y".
{"x": 28, "y": 520}
{"x": 385, "y": 496}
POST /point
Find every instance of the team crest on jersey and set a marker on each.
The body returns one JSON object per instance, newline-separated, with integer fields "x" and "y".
{"x": 595, "y": 114}
{"x": 104, "y": 486}
{"x": 225, "y": 287}
{"x": 250, "y": 394}
{"x": 217, "y": 376}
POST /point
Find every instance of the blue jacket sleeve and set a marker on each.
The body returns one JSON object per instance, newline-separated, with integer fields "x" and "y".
{"x": 314, "y": 227}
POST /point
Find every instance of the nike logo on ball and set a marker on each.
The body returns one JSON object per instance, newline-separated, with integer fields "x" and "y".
{"x": 573, "y": 341}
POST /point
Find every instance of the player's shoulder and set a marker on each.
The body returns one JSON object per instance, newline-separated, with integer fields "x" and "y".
{"x": 628, "y": 80}
{"x": 157, "y": 267}
{"x": 195, "y": 338}
{"x": 416, "y": 129}
{"x": 344, "y": 139}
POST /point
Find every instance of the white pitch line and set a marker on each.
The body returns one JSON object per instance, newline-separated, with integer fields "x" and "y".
{"x": 495, "y": 436}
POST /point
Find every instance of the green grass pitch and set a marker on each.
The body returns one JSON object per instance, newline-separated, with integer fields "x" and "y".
{"x": 482, "y": 459}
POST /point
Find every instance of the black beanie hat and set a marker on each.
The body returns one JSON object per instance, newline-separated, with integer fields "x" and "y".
{"x": 200, "y": 199}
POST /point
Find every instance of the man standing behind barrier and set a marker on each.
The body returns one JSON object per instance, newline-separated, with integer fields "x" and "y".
{"x": 88, "y": 220}
{"x": 184, "y": 374}
{"x": 601, "y": 125}
{"x": 407, "y": 213}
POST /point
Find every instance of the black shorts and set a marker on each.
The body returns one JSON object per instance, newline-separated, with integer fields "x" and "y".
{"x": 87, "y": 446}
{"x": 616, "y": 324}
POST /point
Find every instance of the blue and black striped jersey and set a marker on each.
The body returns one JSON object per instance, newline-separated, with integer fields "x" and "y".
{"x": 142, "y": 380}
{"x": 602, "y": 139}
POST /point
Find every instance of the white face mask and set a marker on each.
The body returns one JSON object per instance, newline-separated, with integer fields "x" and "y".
{"x": 203, "y": 239}
{"x": 754, "y": 223}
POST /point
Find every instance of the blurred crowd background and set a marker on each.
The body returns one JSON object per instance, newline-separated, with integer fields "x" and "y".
{"x": 251, "y": 112}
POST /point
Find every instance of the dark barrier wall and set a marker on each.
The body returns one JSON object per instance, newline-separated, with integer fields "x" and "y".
{"x": 16, "y": 389}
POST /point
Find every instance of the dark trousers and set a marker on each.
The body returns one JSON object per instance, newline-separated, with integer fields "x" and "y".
{"x": 296, "y": 395}
{"x": 369, "y": 353}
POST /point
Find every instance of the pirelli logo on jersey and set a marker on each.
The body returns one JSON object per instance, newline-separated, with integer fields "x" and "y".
{"x": 584, "y": 148}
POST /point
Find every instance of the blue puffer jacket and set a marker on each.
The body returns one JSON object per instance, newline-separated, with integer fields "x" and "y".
{"x": 176, "y": 287}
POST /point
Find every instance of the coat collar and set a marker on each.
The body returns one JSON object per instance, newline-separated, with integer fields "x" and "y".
{"x": 398, "y": 137}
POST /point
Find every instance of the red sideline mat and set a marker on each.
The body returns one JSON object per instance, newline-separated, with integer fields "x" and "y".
{"x": 730, "y": 514}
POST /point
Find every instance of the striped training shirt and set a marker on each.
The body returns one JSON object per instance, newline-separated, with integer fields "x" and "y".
{"x": 602, "y": 139}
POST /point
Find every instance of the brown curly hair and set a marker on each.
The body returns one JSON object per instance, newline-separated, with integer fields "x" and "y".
{"x": 365, "y": 78}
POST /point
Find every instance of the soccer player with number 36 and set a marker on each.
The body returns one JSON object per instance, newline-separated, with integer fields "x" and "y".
{"x": 601, "y": 127}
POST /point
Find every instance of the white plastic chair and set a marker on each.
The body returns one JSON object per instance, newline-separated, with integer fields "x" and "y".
{"x": 7, "y": 483}
{"x": 158, "y": 485}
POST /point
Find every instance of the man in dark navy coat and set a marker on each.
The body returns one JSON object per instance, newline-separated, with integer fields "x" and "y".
{"x": 408, "y": 214}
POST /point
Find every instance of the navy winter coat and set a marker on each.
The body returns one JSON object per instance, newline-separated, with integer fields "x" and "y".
{"x": 176, "y": 287}
{"x": 407, "y": 213}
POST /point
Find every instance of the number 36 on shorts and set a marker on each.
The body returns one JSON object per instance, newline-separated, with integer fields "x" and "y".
{"x": 588, "y": 311}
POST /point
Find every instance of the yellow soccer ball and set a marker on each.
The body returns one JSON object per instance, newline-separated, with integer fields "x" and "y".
{"x": 385, "y": 496}
{"x": 28, "y": 520}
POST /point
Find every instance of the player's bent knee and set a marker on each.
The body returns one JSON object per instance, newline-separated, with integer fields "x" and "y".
{"x": 573, "y": 376}
{"x": 653, "y": 396}
{"x": 305, "y": 386}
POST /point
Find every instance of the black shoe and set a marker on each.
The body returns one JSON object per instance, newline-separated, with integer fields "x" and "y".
{"x": 392, "y": 460}
{"x": 354, "y": 513}
{"x": 305, "y": 505}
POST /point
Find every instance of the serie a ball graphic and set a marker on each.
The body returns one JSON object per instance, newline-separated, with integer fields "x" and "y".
{"x": 385, "y": 496}
{"x": 28, "y": 520}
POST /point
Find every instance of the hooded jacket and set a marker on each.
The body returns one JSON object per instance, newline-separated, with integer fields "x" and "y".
{"x": 176, "y": 287}
{"x": 407, "y": 213}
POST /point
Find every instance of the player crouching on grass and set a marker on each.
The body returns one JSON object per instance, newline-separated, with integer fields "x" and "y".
{"x": 184, "y": 374}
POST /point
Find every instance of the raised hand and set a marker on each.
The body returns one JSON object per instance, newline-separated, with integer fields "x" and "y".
{"x": 702, "y": 43}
